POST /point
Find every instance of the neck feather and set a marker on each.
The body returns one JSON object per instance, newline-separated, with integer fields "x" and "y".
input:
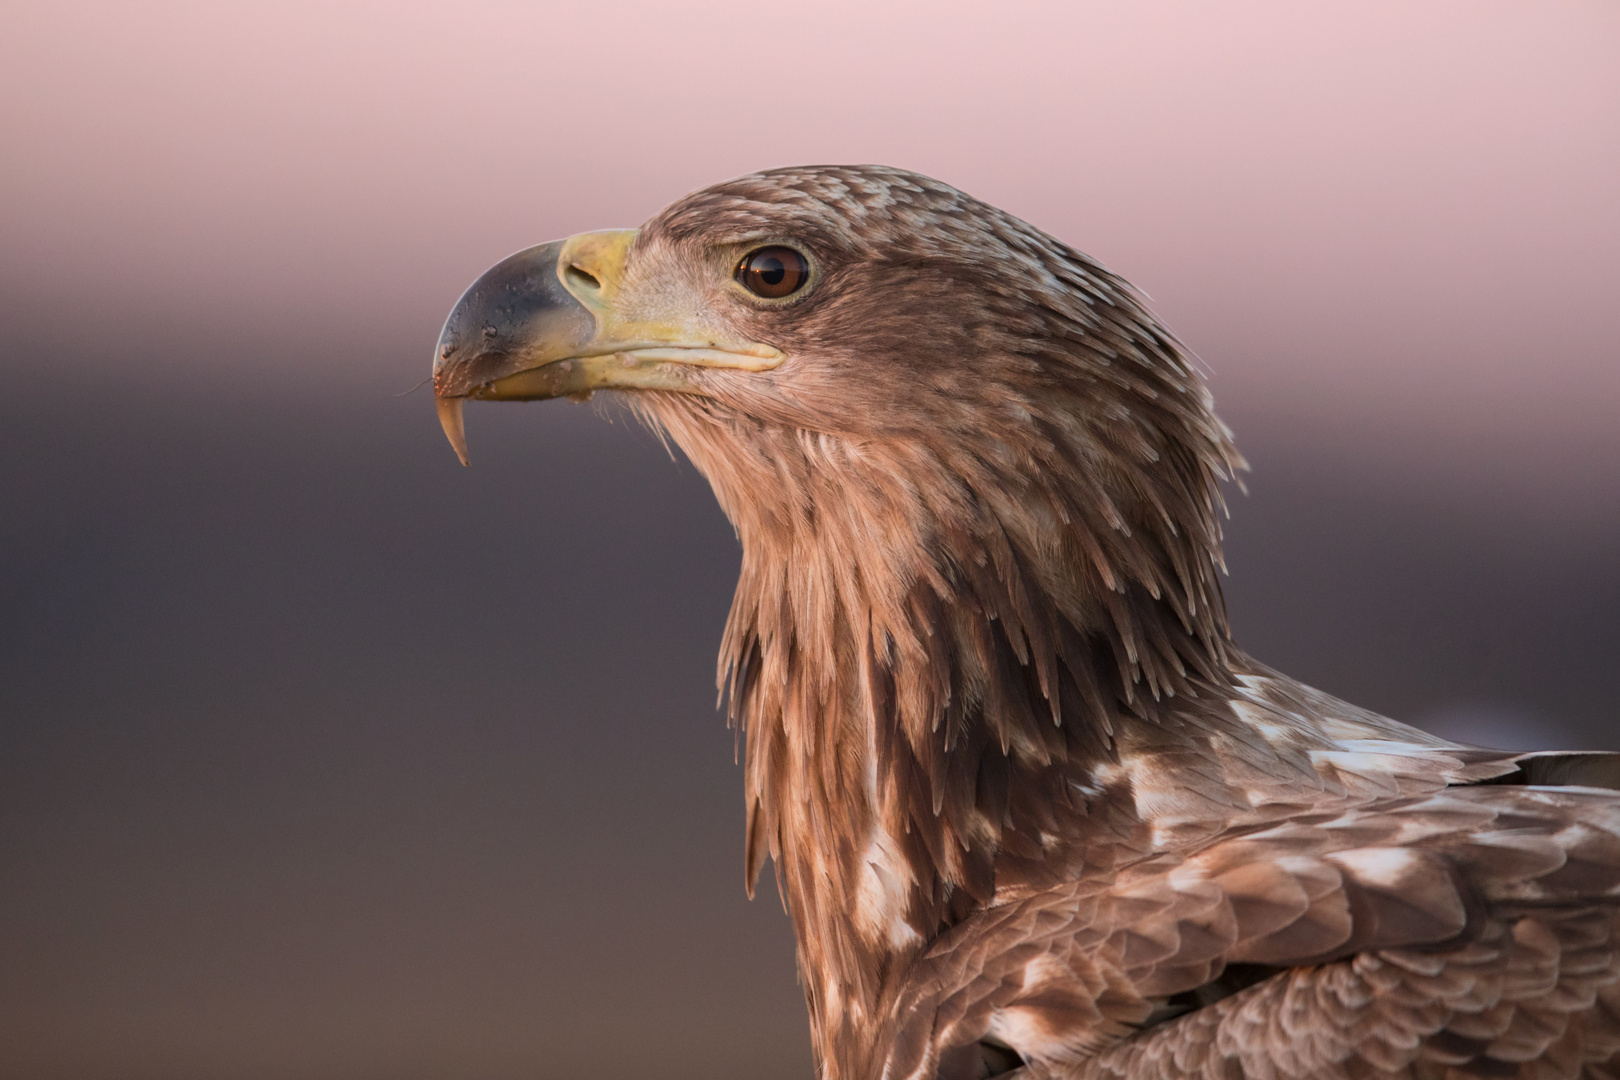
{"x": 919, "y": 667}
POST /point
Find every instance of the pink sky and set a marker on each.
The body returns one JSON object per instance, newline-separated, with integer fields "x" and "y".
{"x": 1391, "y": 224}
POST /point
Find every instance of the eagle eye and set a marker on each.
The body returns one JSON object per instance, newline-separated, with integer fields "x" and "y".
{"x": 773, "y": 272}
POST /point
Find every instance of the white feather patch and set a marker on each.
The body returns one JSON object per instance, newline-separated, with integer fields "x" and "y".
{"x": 1381, "y": 867}
{"x": 1028, "y": 1031}
{"x": 882, "y": 894}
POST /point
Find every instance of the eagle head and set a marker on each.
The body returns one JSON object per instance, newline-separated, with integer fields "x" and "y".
{"x": 872, "y": 366}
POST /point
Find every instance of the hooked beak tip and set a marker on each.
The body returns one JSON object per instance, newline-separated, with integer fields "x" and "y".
{"x": 455, "y": 428}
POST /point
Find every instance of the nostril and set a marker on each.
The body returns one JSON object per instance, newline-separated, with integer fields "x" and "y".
{"x": 579, "y": 277}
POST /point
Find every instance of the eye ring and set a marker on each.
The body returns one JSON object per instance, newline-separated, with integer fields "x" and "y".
{"x": 773, "y": 272}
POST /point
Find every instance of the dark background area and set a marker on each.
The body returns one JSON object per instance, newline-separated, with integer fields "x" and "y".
{"x": 321, "y": 756}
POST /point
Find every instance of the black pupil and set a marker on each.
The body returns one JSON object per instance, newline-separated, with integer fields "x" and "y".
{"x": 773, "y": 272}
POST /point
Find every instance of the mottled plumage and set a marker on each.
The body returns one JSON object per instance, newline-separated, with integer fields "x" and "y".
{"x": 1030, "y": 807}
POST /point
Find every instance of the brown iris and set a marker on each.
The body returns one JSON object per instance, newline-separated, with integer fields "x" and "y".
{"x": 773, "y": 272}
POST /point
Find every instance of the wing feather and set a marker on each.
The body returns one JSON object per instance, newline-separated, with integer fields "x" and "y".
{"x": 1471, "y": 929}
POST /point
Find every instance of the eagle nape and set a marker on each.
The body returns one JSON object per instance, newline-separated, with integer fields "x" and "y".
{"x": 1032, "y": 810}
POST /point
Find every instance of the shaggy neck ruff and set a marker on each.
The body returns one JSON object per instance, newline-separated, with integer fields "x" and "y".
{"x": 925, "y": 646}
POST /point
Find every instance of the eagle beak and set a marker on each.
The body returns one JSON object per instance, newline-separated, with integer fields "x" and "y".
{"x": 546, "y": 323}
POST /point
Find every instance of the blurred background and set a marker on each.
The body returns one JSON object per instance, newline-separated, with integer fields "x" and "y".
{"x": 323, "y": 757}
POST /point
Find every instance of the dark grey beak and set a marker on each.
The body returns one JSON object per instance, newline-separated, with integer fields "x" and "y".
{"x": 544, "y": 323}
{"x": 506, "y": 319}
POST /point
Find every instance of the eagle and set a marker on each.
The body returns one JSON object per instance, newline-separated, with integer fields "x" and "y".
{"x": 1032, "y": 811}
